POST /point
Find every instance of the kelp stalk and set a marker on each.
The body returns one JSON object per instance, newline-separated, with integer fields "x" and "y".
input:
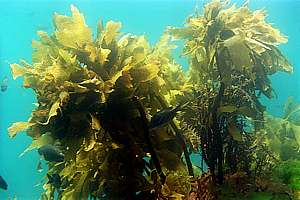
{"x": 153, "y": 154}
{"x": 178, "y": 135}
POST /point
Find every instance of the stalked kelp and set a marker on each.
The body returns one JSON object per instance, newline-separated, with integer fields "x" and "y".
{"x": 95, "y": 96}
{"x": 232, "y": 51}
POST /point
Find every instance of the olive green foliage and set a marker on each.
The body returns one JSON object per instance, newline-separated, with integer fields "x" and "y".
{"x": 288, "y": 172}
{"x": 279, "y": 147}
{"x": 277, "y": 142}
{"x": 281, "y": 134}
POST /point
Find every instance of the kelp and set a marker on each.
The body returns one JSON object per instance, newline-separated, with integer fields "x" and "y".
{"x": 96, "y": 95}
{"x": 19, "y": 127}
{"x": 241, "y": 37}
{"x": 39, "y": 142}
{"x": 93, "y": 94}
{"x": 275, "y": 153}
{"x": 232, "y": 51}
{"x": 283, "y": 132}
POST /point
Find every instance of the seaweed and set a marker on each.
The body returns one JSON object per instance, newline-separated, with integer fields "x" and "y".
{"x": 288, "y": 173}
{"x": 94, "y": 98}
{"x": 96, "y": 95}
{"x": 232, "y": 51}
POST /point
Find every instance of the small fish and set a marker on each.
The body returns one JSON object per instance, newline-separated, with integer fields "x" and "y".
{"x": 39, "y": 167}
{"x": 4, "y": 84}
{"x": 51, "y": 153}
{"x": 41, "y": 27}
{"x": 54, "y": 180}
{"x": 164, "y": 116}
{"x": 3, "y": 184}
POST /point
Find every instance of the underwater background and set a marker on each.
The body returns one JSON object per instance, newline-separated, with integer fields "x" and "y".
{"x": 20, "y": 19}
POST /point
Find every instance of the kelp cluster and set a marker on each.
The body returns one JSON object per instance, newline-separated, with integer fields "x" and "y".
{"x": 97, "y": 95}
{"x": 94, "y": 99}
{"x": 231, "y": 52}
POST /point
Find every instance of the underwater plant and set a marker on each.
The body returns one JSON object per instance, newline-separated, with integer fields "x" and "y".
{"x": 231, "y": 53}
{"x": 283, "y": 133}
{"x": 104, "y": 125}
{"x": 280, "y": 140}
{"x": 288, "y": 173}
{"x": 95, "y": 96}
